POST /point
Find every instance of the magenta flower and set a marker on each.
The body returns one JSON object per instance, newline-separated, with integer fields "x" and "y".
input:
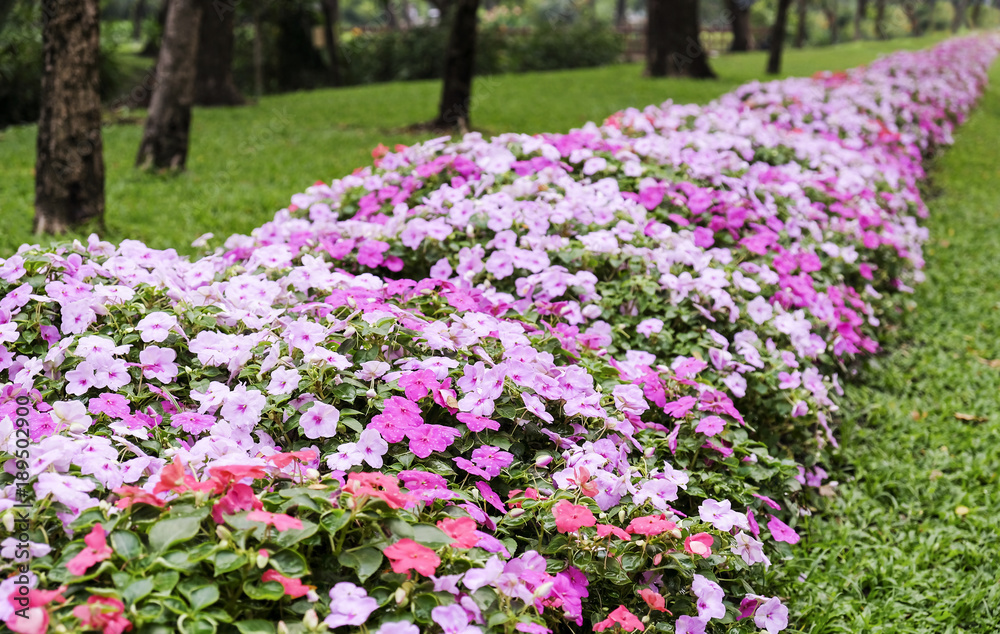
{"x": 782, "y": 532}
{"x": 491, "y": 459}
{"x": 771, "y": 616}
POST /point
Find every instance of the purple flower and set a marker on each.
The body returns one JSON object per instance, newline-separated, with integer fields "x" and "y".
{"x": 772, "y": 616}
{"x": 649, "y": 327}
{"x": 710, "y": 597}
{"x": 320, "y": 421}
{"x": 155, "y": 327}
{"x": 349, "y": 605}
{"x": 491, "y": 459}
{"x": 453, "y": 619}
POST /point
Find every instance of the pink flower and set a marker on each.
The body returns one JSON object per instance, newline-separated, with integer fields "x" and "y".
{"x": 280, "y": 521}
{"x": 96, "y": 550}
{"x": 572, "y": 517}
{"x": 649, "y": 327}
{"x": 603, "y": 530}
{"x": 103, "y": 613}
{"x": 650, "y": 525}
{"x": 491, "y": 459}
{"x": 426, "y": 439}
{"x": 710, "y": 425}
{"x": 782, "y": 532}
{"x": 293, "y": 587}
{"x": 681, "y": 407}
{"x": 192, "y": 422}
{"x": 654, "y": 600}
{"x": 406, "y": 555}
{"x": 157, "y": 363}
{"x": 709, "y": 596}
{"x": 690, "y": 625}
{"x": 699, "y": 544}
{"x": 398, "y": 417}
{"x": 462, "y": 530}
{"x": 416, "y": 385}
{"x": 620, "y": 616}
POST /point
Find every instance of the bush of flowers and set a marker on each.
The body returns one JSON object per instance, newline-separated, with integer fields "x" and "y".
{"x": 528, "y": 384}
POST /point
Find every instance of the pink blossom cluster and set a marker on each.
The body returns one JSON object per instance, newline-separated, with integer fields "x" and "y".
{"x": 572, "y": 355}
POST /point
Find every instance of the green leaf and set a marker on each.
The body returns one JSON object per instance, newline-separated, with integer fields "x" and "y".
{"x": 270, "y": 591}
{"x": 196, "y": 626}
{"x": 203, "y": 597}
{"x": 364, "y": 560}
{"x": 126, "y": 544}
{"x": 227, "y": 561}
{"x": 256, "y": 626}
{"x": 430, "y": 536}
{"x": 136, "y": 590}
{"x": 334, "y": 521}
{"x": 289, "y": 563}
{"x": 165, "y": 581}
{"x": 168, "y": 532}
{"x": 295, "y": 535}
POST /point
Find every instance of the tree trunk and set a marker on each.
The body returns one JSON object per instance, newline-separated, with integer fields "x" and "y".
{"x": 5, "y": 8}
{"x": 927, "y": 23}
{"x": 859, "y": 16}
{"x": 800, "y": 32}
{"x": 152, "y": 47}
{"x": 214, "y": 83}
{"x": 165, "y": 137}
{"x": 331, "y": 12}
{"x": 459, "y": 65}
{"x": 778, "y": 37}
{"x": 620, "y": 9}
{"x": 739, "y": 15}
{"x": 913, "y": 17}
{"x": 880, "y": 31}
{"x": 258, "y": 55}
{"x": 69, "y": 169}
{"x": 959, "y": 20}
{"x": 977, "y": 8}
{"x": 673, "y": 48}
{"x": 832, "y": 19}
{"x": 138, "y": 15}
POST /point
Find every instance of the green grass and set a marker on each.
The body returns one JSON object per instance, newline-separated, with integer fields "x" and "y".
{"x": 891, "y": 554}
{"x": 245, "y": 163}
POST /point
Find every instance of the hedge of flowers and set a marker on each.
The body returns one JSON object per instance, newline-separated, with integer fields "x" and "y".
{"x": 528, "y": 384}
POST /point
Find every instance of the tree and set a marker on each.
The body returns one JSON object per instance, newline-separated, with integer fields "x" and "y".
{"x": 959, "y": 20}
{"x": 977, "y": 7}
{"x": 739, "y": 15}
{"x": 69, "y": 168}
{"x": 620, "y": 11}
{"x": 214, "y": 83}
{"x": 778, "y": 37}
{"x": 831, "y": 9}
{"x": 800, "y": 31}
{"x": 165, "y": 137}
{"x": 673, "y": 47}
{"x": 331, "y": 13}
{"x": 912, "y": 13}
{"x": 5, "y": 8}
{"x": 459, "y": 65}
{"x": 927, "y": 19}
{"x": 880, "y": 30}
{"x": 859, "y": 15}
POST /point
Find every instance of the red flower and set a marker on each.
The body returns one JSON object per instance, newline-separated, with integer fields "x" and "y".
{"x": 581, "y": 478}
{"x": 603, "y": 530}
{"x": 280, "y": 521}
{"x": 97, "y": 549}
{"x": 224, "y": 476}
{"x": 571, "y": 517}
{"x": 173, "y": 478}
{"x": 129, "y": 495}
{"x": 406, "y": 555}
{"x": 383, "y": 487}
{"x": 103, "y": 613}
{"x": 650, "y": 525}
{"x": 700, "y": 544}
{"x": 282, "y": 460}
{"x": 239, "y": 498}
{"x": 462, "y": 530}
{"x": 622, "y": 617}
{"x": 654, "y": 600}
{"x": 293, "y": 587}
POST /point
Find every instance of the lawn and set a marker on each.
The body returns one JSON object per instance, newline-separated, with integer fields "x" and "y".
{"x": 245, "y": 163}
{"x": 911, "y": 544}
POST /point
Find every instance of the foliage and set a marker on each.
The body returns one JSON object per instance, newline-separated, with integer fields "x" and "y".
{"x": 519, "y": 384}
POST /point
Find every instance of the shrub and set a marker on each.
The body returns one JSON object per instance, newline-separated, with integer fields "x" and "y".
{"x": 522, "y": 384}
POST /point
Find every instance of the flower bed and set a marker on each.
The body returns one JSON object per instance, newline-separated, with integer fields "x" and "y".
{"x": 526, "y": 384}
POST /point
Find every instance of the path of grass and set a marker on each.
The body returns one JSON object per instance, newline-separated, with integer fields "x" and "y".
{"x": 245, "y": 163}
{"x": 896, "y": 551}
